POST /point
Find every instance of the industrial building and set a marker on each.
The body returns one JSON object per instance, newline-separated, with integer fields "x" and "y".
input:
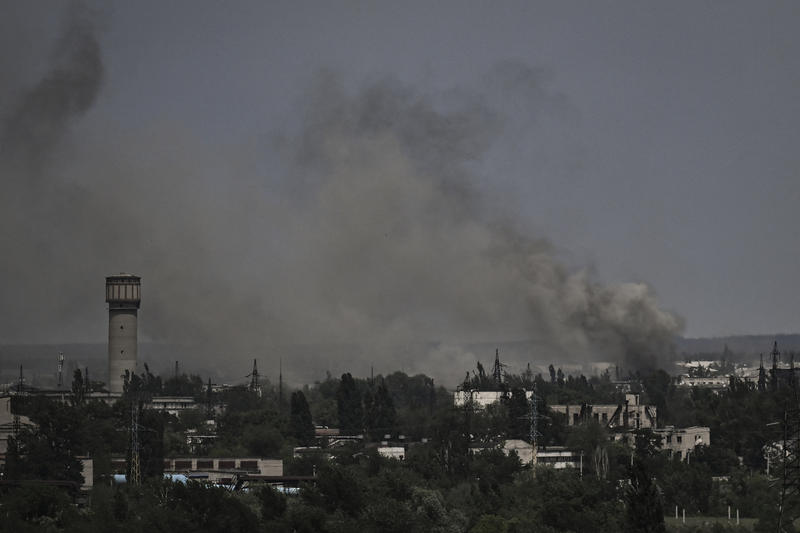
{"x": 630, "y": 414}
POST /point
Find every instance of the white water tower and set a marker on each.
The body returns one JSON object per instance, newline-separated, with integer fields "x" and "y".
{"x": 123, "y": 294}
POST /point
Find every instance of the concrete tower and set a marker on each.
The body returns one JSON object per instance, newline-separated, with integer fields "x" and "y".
{"x": 123, "y": 294}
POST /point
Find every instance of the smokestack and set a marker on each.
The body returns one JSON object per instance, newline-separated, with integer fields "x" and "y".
{"x": 123, "y": 294}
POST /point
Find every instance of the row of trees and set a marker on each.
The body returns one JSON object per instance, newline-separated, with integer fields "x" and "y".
{"x": 445, "y": 484}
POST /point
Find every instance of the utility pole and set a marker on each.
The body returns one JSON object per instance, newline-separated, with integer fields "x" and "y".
{"x": 60, "y": 368}
{"x": 209, "y": 405}
{"x": 16, "y": 424}
{"x": 790, "y": 475}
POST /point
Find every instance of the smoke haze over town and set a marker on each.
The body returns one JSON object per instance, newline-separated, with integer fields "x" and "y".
{"x": 276, "y": 180}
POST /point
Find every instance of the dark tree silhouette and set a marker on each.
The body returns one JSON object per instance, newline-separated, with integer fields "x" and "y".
{"x": 348, "y": 402}
{"x": 644, "y": 510}
{"x": 301, "y": 426}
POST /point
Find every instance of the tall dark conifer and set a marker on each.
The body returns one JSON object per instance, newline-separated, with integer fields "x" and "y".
{"x": 380, "y": 412}
{"x": 348, "y": 402}
{"x": 300, "y": 422}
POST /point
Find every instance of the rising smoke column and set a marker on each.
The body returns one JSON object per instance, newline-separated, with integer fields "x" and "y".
{"x": 77, "y": 208}
{"x": 419, "y": 254}
{"x": 42, "y": 115}
{"x": 375, "y": 231}
{"x": 38, "y": 210}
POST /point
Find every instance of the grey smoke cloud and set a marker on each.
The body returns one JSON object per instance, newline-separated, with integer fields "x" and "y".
{"x": 375, "y": 231}
{"x": 41, "y": 116}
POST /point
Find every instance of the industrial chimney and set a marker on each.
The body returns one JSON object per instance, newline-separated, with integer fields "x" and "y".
{"x": 123, "y": 294}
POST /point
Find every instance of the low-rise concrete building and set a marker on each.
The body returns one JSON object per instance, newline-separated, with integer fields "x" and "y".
{"x": 87, "y": 471}
{"x": 716, "y": 383}
{"x": 480, "y": 399}
{"x": 219, "y": 470}
{"x": 630, "y": 414}
{"x": 683, "y": 441}
{"x": 174, "y": 405}
{"x": 523, "y": 450}
{"x": 393, "y": 452}
{"x": 558, "y": 457}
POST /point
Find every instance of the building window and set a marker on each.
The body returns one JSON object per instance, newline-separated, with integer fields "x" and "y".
{"x": 248, "y": 465}
{"x": 679, "y": 439}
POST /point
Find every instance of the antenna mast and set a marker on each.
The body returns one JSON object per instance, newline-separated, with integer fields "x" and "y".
{"x": 60, "y": 368}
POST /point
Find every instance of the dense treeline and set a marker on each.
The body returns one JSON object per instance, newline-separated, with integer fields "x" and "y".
{"x": 454, "y": 480}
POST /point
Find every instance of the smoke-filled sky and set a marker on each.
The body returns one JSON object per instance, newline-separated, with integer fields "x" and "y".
{"x": 597, "y": 177}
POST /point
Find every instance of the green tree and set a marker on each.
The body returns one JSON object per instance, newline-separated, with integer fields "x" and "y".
{"x": 348, "y": 402}
{"x": 48, "y": 451}
{"x": 644, "y": 510}
{"x": 78, "y": 387}
{"x": 490, "y": 523}
{"x": 36, "y": 509}
{"x": 518, "y": 414}
{"x": 300, "y": 424}
{"x": 272, "y": 502}
{"x": 380, "y": 416}
{"x": 659, "y": 388}
{"x": 339, "y": 488}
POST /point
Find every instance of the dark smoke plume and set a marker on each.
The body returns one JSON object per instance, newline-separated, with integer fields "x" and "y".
{"x": 420, "y": 252}
{"x": 43, "y": 114}
{"x": 376, "y": 231}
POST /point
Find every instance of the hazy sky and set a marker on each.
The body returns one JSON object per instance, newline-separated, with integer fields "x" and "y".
{"x": 646, "y": 142}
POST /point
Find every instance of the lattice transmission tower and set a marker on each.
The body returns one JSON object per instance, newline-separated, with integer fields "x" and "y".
{"x": 790, "y": 466}
{"x": 136, "y": 469}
